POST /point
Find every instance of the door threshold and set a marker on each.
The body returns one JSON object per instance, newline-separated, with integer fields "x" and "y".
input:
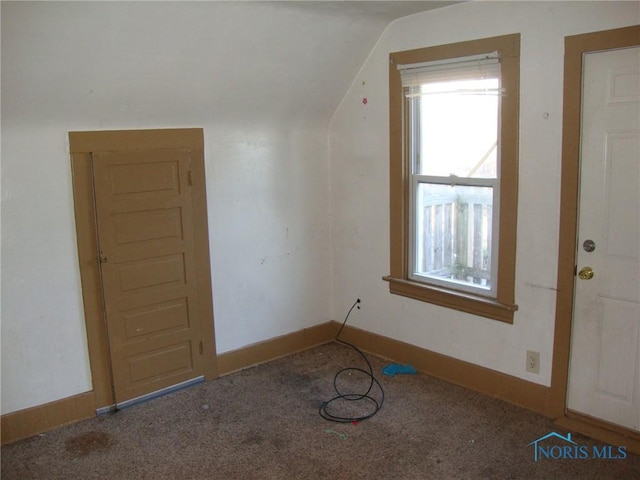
{"x": 150, "y": 396}
{"x": 600, "y": 430}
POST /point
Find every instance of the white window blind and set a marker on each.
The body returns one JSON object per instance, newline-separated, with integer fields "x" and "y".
{"x": 472, "y": 67}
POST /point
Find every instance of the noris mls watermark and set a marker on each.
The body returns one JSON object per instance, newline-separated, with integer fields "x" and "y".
{"x": 568, "y": 449}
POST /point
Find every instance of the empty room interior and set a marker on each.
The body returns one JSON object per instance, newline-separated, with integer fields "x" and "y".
{"x": 191, "y": 189}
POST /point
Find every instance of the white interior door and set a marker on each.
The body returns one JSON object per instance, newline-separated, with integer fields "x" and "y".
{"x": 604, "y": 373}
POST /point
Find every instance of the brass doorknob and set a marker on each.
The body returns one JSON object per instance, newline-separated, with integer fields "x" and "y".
{"x": 586, "y": 273}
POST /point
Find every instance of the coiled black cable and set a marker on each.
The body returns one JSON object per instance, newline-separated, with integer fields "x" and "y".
{"x": 374, "y": 405}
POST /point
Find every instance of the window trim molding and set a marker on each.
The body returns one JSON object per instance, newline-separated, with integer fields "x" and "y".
{"x": 503, "y": 306}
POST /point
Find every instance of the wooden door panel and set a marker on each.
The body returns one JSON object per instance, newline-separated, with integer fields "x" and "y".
{"x": 166, "y": 270}
{"x": 148, "y": 225}
{"x": 158, "y": 339}
{"x": 155, "y": 318}
{"x": 140, "y": 173}
{"x": 145, "y": 231}
{"x": 156, "y": 365}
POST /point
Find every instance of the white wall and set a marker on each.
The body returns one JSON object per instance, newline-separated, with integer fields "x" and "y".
{"x": 262, "y": 80}
{"x": 254, "y": 76}
{"x": 359, "y": 159}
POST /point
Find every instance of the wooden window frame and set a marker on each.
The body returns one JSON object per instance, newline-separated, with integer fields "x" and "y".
{"x": 501, "y": 306}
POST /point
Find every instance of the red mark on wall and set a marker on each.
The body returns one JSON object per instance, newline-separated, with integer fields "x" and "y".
{"x": 365, "y": 101}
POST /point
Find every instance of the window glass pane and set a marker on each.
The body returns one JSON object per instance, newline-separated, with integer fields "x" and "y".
{"x": 453, "y": 234}
{"x": 458, "y": 128}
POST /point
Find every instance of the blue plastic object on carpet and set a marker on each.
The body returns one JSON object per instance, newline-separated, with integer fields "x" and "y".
{"x": 396, "y": 368}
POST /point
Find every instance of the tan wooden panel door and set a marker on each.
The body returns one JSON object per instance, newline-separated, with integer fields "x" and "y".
{"x": 604, "y": 375}
{"x": 145, "y": 234}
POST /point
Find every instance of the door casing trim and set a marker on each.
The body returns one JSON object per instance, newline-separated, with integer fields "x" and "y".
{"x": 81, "y": 144}
{"x": 575, "y": 47}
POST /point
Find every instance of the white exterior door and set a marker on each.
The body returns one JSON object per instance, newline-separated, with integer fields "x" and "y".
{"x": 604, "y": 372}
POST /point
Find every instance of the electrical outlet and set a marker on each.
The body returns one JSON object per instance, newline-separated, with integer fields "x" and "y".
{"x": 533, "y": 361}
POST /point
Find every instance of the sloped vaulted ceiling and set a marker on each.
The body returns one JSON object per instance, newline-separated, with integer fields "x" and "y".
{"x": 186, "y": 60}
{"x": 262, "y": 78}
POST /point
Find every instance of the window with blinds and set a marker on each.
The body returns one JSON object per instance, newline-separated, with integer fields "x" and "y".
{"x": 454, "y": 114}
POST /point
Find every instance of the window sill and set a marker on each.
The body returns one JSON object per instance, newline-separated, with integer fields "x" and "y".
{"x": 462, "y": 301}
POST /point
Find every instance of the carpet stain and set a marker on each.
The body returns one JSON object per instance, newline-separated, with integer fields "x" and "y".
{"x": 89, "y": 442}
{"x": 279, "y": 443}
{"x": 296, "y": 380}
{"x": 253, "y": 440}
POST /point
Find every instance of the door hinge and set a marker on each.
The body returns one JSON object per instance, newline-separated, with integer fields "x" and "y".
{"x": 201, "y": 347}
{"x": 102, "y": 258}
{"x": 190, "y": 177}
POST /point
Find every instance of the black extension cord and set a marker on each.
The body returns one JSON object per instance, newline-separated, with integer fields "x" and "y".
{"x": 374, "y": 405}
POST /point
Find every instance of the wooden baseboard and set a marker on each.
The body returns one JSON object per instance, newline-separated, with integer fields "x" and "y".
{"x": 32, "y": 421}
{"x": 278, "y": 347}
{"x": 489, "y": 382}
{"x": 480, "y": 379}
{"x": 591, "y": 427}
